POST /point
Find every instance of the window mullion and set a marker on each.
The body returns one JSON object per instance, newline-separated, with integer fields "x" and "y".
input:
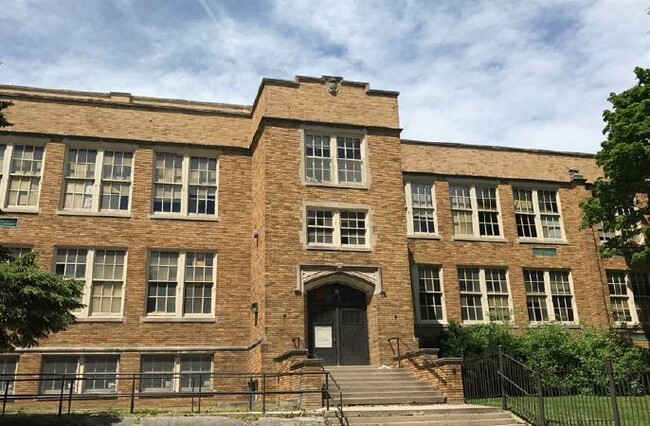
{"x": 630, "y": 298}
{"x": 475, "y": 225}
{"x": 90, "y": 263}
{"x": 549, "y": 296}
{"x": 409, "y": 209}
{"x": 336, "y": 219}
{"x": 334, "y": 159}
{"x": 6, "y": 168}
{"x": 185, "y": 190}
{"x": 484, "y": 298}
{"x": 81, "y": 368}
{"x": 538, "y": 215}
{"x": 177, "y": 374}
{"x": 97, "y": 186}
{"x": 180, "y": 287}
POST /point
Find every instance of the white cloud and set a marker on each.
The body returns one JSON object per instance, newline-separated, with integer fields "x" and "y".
{"x": 530, "y": 74}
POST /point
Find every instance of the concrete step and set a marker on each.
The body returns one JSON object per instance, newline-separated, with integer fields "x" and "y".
{"x": 400, "y": 387}
{"x": 393, "y": 399}
{"x": 389, "y": 392}
{"x": 435, "y": 415}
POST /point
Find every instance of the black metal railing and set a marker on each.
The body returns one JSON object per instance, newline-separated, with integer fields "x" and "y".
{"x": 328, "y": 395}
{"x": 238, "y": 388}
{"x": 399, "y": 348}
{"x": 558, "y": 397}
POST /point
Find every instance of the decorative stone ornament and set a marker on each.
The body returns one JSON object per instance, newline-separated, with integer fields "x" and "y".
{"x": 332, "y": 84}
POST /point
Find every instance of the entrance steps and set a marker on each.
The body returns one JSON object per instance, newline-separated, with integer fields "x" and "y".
{"x": 434, "y": 415}
{"x": 371, "y": 385}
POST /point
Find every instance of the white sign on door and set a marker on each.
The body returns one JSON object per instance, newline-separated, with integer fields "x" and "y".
{"x": 322, "y": 336}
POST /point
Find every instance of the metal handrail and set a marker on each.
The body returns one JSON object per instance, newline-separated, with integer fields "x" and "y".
{"x": 71, "y": 387}
{"x": 328, "y": 395}
{"x": 398, "y": 352}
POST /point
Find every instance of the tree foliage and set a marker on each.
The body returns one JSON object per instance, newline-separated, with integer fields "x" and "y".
{"x": 3, "y": 120}
{"x": 620, "y": 197}
{"x": 33, "y": 302}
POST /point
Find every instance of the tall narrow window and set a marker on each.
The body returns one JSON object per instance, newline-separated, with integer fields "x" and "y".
{"x": 25, "y": 176}
{"x": 7, "y": 373}
{"x": 97, "y": 180}
{"x": 199, "y": 279}
{"x": 428, "y": 290}
{"x": 185, "y": 185}
{"x": 332, "y": 157}
{"x": 549, "y": 296}
{"x": 420, "y": 208}
{"x": 475, "y": 210}
{"x": 537, "y": 213}
{"x": 619, "y": 296}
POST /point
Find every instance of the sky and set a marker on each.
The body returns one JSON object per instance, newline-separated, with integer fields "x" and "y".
{"x": 529, "y": 74}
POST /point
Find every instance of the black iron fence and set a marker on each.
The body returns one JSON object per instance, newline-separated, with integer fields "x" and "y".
{"x": 560, "y": 397}
{"x": 259, "y": 391}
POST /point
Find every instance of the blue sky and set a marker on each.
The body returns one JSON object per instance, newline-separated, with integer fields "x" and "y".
{"x": 533, "y": 73}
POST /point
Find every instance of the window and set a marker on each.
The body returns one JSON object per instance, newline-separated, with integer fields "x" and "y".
{"x": 20, "y": 175}
{"x": 475, "y": 210}
{"x": 484, "y": 294}
{"x": 185, "y": 185}
{"x": 337, "y": 228}
{"x": 334, "y": 158}
{"x": 97, "y": 180}
{"x": 92, "y": 373}
{"x": 102, "y": 271}
{"x": 420, "y": 208}
{"x": 16, "y": 252}
{"x": 629, "y": 294}
{"x": 7, "y": 373}
{"x": 188, "y": 274}
{"x": 171, "y": 373}
{"x": 603, "y": 235}
{"x": 549, "y": 296}
{"x": 537, "y": 213}
{"x": 429, "y": 294}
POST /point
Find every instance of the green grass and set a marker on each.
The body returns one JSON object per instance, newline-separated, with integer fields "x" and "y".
{"x": 578, "y": 410}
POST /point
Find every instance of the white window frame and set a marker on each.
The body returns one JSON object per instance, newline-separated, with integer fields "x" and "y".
{"x": 5, "y": 167}
{"x": 176, "y": 374}
{"x": 485, "y": 307}
{"x": 476, "y": 235}
{"x": 79, "y": 383}
{"x": 538, "y": 214}
{"x": 629, "y": 296}
{"x": 336, "y": 225}
{"x": 12, "y": 380}
{"x": 180, "y": 286}
{"x": 98, "y": 180}
{"x": 85, "y": 312}
{"x": 409, "y": 208}
{"x": 333, "y": 133}
{"x": 549, "y": 297}
{"x": 415, "y": 286}
{"x": 185, "y": 183}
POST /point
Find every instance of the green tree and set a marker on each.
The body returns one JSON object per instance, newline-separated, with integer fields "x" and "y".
{"x": 3, "y": 120}
{"x": 620, "y": 197}
{"x": 33, "y": 302}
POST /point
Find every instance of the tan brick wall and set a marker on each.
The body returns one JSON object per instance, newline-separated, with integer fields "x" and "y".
{"x": 261, "y": 190}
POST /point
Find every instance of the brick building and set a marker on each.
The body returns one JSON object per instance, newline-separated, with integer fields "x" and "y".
{"x": 216, "y": 237}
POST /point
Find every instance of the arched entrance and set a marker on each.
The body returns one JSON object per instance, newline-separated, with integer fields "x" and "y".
{"x": 338, "y": 324}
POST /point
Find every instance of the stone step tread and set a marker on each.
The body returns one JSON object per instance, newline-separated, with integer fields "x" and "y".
{"x": 390, "y": 392}
{"x": 374, "y": 379}
{"x": 393, "y": 400}
{"x": 436, "y": 423}
{"x": 399, "y": 388}
{"x": 437, "y": 418}
{"x": 409, "y": 410}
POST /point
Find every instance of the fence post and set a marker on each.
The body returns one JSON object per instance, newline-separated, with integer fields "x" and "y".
{"x": 70, "y": 393}
{"x": 4, "y": 400}
{"x": 200, "y": 386}
{"x": 132, "y": 406}
{"x": 192, "y": 387}
{"x": 541, "y": 415}
{"x": 263, "y": 392}
{"x": 504, "y": 402}
{"x": 612, "y": 393}
{"x": 61, "y": 395}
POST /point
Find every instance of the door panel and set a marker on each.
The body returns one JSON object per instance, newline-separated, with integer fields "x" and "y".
{"x": 338, "y": 325}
